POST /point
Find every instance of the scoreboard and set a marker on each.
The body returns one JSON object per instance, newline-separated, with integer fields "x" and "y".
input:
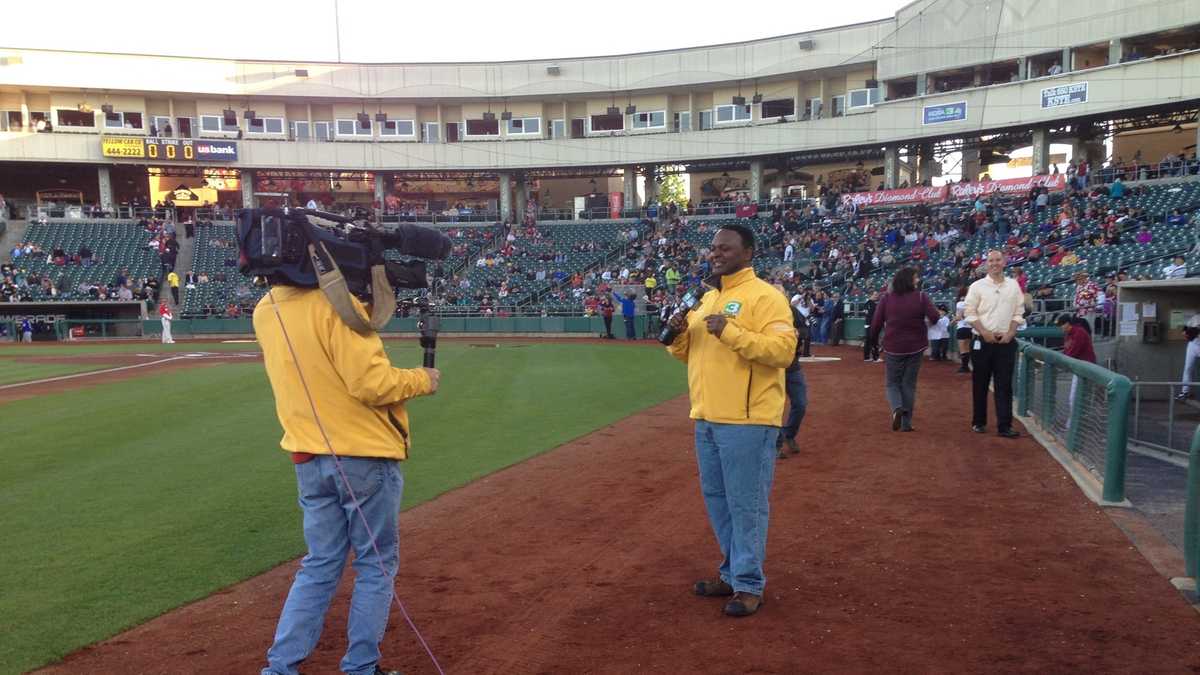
{"x": 169, "y": 149}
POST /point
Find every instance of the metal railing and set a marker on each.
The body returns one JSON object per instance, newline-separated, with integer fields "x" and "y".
{"x": 1083, "y": 406}
{"x": 1145, "y": 171}
{"x": 1191, "y": 513}
{"x": 1155, "y": 417}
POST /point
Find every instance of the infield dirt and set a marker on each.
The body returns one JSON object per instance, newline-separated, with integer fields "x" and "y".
{"x": 935, "y": 551}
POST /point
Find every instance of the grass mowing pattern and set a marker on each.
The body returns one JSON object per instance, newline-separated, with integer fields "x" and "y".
{"x": 127, "y": 499}
{"x": 18, "y": 370}
{"x": 68, "y": 349}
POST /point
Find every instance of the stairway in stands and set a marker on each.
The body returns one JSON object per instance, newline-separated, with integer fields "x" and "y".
{"x": 14, "y": 234}
{"x": 183, "y": 263}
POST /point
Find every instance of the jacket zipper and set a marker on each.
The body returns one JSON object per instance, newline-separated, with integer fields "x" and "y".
{"x": 749, "y": 388}
{"x": 400, "y": 428}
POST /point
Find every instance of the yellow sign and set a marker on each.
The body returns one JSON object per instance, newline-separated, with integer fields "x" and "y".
{"x": 120, "y": 146}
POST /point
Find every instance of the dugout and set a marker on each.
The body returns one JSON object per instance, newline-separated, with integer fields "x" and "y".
{"x": 53, "y": 321}
{"x": 1150, "y": 316}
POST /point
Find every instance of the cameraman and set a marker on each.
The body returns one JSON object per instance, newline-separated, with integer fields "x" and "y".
{"x": 736, "y": 346}
{"x": 359, "y": 399}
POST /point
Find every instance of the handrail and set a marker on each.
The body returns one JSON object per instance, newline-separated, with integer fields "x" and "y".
{"x": 1191, "y": 514}
{"x": 1119, "y": 389}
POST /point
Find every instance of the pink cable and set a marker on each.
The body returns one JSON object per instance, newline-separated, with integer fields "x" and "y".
{"x": 338, "y": 463}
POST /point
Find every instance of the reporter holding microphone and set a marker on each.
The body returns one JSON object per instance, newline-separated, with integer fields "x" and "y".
{"x": 736, "y": 345}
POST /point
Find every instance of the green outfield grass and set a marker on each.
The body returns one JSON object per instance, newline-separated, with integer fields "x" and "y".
{"x": 124, "y": 500}
{"x": 17, "y": 370}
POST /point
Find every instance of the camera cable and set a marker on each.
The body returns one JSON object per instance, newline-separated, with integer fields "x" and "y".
{"x": 341, "y": 472}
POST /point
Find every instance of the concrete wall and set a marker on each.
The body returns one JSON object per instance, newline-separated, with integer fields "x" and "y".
{"x": 934, "y": 35}
{"x": 764, "y": 59}
{"x": 1162, "y": 362}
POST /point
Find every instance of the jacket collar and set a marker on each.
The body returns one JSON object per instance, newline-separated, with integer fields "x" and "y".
{"x": 731, "y": 280}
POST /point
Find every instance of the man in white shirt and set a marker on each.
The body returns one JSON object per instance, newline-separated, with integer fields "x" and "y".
{"x": 995, "y": 308}
{"x": 1176, "y": 270}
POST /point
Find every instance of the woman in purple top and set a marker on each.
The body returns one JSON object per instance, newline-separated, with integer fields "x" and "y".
{"x": 903, "y": 311}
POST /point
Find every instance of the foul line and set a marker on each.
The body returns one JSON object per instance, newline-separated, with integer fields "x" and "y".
{"x": 90, "y": 372}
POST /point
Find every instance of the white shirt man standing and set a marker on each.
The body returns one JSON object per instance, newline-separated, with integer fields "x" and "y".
{"x": 995, "y": 309}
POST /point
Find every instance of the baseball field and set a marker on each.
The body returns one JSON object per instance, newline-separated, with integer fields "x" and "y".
{"x": 553, "y": 524}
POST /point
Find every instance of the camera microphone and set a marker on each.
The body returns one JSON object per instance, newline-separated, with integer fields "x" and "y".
{"x": 418, "y": 241}
{"x": 687, "y": 303}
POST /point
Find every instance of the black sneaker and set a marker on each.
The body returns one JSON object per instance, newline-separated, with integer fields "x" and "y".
{"x": 978, "y": 428}
{"x": 711, "y": 588}
{"x": 381, "y": 671}
{"x": 897, "y": 419}
{"x": 1009, "y": 433}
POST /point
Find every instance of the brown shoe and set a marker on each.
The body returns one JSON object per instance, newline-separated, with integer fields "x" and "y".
{"x": 744, "y": 604}
{"x": 713, "y": 588}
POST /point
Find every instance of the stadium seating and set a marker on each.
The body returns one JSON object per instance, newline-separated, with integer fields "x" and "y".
{"x": 590, "y": 248}
{"x": 115, "y": 246}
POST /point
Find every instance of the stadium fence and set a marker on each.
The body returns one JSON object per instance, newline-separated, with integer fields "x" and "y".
{"x": 1082, "y": 406}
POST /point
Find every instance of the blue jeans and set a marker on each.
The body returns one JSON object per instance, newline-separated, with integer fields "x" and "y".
{"x": 331, "y": 527}
{"x": 737, "y": 466}
{"x": 630, "y": 334}
{"x": 797, "y": 393}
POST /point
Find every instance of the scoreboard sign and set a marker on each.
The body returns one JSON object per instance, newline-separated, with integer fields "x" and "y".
{"x": 190, "y": 150}
{"x": 123, "y": 146}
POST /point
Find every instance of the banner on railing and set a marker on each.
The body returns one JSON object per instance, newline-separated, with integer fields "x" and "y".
{"x": 899, "y": 197}
{"x": 1007, "y": 186}
{"x": 954, "y": 191}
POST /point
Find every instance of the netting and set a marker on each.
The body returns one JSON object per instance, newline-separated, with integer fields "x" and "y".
{"x": 1071, "y": 396}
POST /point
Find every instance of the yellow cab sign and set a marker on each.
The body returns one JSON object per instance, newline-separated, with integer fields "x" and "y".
{"x": 123, "y": 146}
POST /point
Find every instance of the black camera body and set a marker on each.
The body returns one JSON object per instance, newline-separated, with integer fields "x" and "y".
{"x": 274, "y": 244}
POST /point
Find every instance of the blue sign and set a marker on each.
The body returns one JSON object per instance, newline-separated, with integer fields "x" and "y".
{"x": 946, "y": 112}
{"x": 1067, "y": 94}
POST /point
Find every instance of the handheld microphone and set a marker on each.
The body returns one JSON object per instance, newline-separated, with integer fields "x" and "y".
{"x": 687, "y": 303}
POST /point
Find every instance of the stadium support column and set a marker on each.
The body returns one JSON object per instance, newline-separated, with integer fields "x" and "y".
{"x": 970, "y": 164}
{"x": 629, "y": 185}
{"x": 1066, "y": 60}
{"x": 522, "y": 198}
{"x": 1022, "y": 68}
{"x": 505, "y": 197}
{"x": 247, "y": 189}
{"x": 382, "y": 178}
{"x": 1116, "y": 50}
{"x": 1041, "y": 151}
{"x": 1198, "y": 136}
{"x": 651, "y": 185}
{"x": 756, "y": 167}
{"x": 922, "y": 80}
{"x": 891, "y": 167}
{"x": 927, "y": 164}
{"x": 106, "y": 191}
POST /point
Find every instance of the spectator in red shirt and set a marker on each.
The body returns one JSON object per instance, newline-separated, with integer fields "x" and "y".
{"x": 1077, "y": 338}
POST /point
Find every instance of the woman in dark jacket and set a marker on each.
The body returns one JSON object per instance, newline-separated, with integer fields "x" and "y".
{"x": 901, "y": 315}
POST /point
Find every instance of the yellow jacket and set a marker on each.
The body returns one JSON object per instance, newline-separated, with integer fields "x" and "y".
{"x": 738, "y": 378}
{"x": 359, "y": 396}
